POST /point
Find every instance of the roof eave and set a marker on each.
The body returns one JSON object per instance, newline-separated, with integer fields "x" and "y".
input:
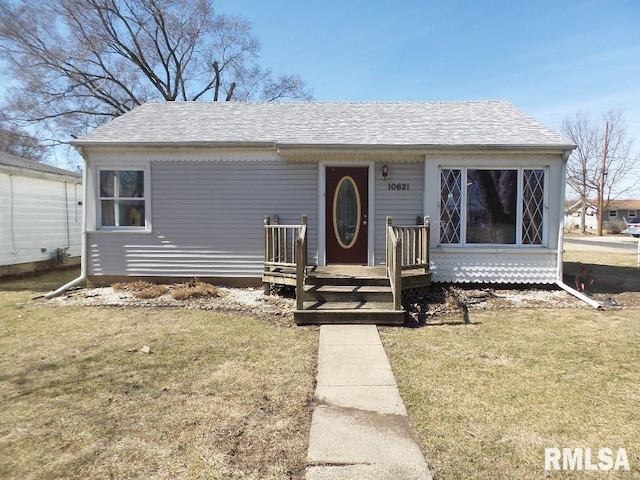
{"x": 333, "y": 148}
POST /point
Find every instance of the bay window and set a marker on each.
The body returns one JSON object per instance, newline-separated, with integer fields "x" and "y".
{"x": 122, "y": 203}
{"x": 492, "y": 206}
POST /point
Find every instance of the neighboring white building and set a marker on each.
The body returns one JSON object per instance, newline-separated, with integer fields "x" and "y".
{"x": 41, "y": 215}
{"x": 180, "y": 189}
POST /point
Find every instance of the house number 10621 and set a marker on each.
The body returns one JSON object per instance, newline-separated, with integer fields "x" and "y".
{"x": 398, "y": 186}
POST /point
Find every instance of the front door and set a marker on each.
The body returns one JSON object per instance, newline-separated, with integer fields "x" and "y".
{"x": 347, "y": 207}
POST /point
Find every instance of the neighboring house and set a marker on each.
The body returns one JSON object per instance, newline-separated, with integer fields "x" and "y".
{"x": 616, "y": 213}
{"x": 41, "y": 211}
{"x": 181, "y": 189}
{"x": 573, "y": 212}
{"x": 619, "y": 211}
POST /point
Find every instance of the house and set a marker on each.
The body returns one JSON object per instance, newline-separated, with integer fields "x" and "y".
{"x": 177, "y": 190}
{"x": 573, "y": 213}
{"x": 616, "y": 214}
{"x": 620, "y": 211}
{"x": 41, "y": 209}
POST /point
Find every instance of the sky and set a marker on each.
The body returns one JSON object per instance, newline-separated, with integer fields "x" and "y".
{"x": 552, "y": 59}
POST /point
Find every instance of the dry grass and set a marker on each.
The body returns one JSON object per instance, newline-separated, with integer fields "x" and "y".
{"x": 487, "y": 398}
{"x": 141, "y": 289}
{"x": 220, "y": 397}
{"x": 194, "y": 289}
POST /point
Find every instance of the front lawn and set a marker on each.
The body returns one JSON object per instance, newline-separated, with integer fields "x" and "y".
{"x": 219, "y": 397}
{"x": 486, "y": 399}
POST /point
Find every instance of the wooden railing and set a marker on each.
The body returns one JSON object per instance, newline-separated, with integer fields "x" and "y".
{"x": 280, "y": 242}
{"x": 415, "y": 244}
{"x": 407, "y": 249}
{"x": 285, "y": 247}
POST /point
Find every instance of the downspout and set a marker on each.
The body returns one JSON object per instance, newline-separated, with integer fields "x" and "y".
{"x": 559, "y": 268}
{"x": 83, "y": 247}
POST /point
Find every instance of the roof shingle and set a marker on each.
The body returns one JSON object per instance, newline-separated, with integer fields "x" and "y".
{"x": 487, "y": 123}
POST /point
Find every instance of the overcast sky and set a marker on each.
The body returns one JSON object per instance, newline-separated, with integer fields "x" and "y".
{"x": 550, "y": 58}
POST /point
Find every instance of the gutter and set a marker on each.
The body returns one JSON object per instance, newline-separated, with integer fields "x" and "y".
{"x": 559, "y": 268}
{"x": 83, "y": 249}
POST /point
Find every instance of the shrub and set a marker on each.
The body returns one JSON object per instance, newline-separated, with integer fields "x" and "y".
{"x": 194, "y": 289}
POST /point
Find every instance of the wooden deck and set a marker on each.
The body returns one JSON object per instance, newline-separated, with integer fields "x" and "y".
{"x": 347, "y": 293}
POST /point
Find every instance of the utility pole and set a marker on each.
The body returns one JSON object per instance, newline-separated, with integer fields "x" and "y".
{"x": 603, "y": 175}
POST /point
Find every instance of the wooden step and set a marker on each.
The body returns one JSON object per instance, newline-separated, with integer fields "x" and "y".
{"x": 346, "y": 280}
{"x": 376, "y": 313}
{"x": 348, "y": 293}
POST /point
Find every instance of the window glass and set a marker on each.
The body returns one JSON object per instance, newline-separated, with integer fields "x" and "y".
{"x": 491, "y": 206}
{"x": 131, "y": 213}
{"x": 450, "y": 205}
{"x": 106, "y": 183}
{"x": 131, "y": 183}
{"x": 532, "y": 206}
{"x": 346, "y": 215}
{"x": 108, "y": 213}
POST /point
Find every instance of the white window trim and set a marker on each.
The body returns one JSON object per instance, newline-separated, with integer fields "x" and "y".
{"x": 147, "y": 199}
{"x": 633, "y": 213}
{"x": 519, "y": 209}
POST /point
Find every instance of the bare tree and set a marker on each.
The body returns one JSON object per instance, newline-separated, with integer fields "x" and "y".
{"x": 20, "y": 143}
{"x": 79, "y": 63}
{"x": 601, "y": 161}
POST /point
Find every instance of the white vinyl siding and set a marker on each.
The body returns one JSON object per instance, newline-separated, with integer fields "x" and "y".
{"x": 400, "y": 196}
{"x": 208, "y": 219}
{"x": 38, "y": 216}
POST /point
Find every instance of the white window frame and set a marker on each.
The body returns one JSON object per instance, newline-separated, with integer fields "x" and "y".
{"x": 613, "y": 213}
{"x": 519, "y": 208}
{"x": 146, "y": 198}
{"x": 633, "y": 213}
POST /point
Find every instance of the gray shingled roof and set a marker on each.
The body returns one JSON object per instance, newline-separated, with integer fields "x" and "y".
{"x": 34, "y": 167}
{"x": 490, "y": 123}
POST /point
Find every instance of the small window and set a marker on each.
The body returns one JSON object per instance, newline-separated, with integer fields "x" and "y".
{"x": 613, "y": 213}
{"x": 633, "y": 213}
{"x": 122, "y": 199}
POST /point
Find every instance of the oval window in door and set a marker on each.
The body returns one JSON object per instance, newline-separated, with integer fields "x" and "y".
{"x": 346, "y": 212}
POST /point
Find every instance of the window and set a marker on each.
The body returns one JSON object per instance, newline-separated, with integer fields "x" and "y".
{"x": 492, "y": 206}
{"x": 122, "y": 199}
{"x": 633, "y": 213}
{"x": 613, "y": 213}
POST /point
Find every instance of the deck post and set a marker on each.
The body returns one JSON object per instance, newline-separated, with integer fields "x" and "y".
{"x": 397, "y": 275}
{"x": 426, "y": 242}
{"x": 266, "y": 286}
{"x": 389, "y": 222}
{"x": 305, "y": 222}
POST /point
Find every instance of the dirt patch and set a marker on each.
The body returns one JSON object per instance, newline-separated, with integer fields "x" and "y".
{"x": 244, "y": 301}
{"x": 422, "y": 306}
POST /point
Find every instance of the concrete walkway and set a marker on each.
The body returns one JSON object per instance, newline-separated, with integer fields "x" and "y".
{"x": 360, "y": 428}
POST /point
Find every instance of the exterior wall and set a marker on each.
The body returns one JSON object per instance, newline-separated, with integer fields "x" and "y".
{"x": 400, "y": 196}
{"x": 38, "y": 216}
{"x": 207, "y": 219}
{"x": 496, "y": 264}
{"x": 207, "y": 210}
